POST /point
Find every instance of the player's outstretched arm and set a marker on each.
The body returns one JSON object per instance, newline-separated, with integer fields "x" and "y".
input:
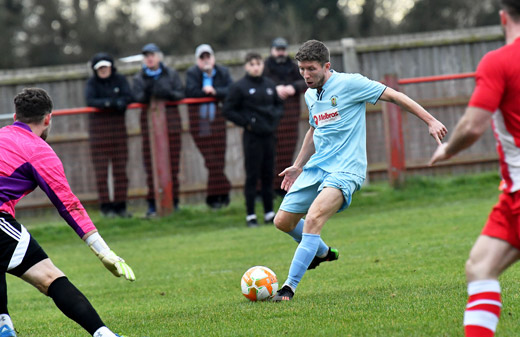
{"x": 468, "y": 130}
{"x": 111, "y": 261}
{"x": 292, "y": 172}
{"x": 436, "y": 129}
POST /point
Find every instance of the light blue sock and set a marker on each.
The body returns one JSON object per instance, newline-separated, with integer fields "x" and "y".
{"x": 296, "y": 234}
{"x": 302, "y": 258}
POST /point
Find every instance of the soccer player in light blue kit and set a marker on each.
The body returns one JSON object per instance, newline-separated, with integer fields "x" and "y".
{"x": 332, "y": 162}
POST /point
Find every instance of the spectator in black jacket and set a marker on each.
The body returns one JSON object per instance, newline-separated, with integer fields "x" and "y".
{"x": 253, "y": 104}
{"x": 289, "y": 85}
{"x": 207, "y": 125}
{"x": 158, "y": 81}
{"x": 110, "y": 92}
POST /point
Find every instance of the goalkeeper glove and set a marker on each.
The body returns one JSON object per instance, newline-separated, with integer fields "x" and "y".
{"x": 110, "y": 260}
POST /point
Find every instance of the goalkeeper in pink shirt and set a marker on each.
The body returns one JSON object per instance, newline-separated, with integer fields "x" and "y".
{"x": 27, "y": 161}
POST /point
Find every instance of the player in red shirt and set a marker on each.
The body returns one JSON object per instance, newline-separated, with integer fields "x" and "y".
{"x": 496, "y": 98}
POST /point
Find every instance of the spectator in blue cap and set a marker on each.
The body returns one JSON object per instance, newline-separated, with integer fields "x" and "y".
{"x": 150, "y": 48}
{"x": 158, "y": 81}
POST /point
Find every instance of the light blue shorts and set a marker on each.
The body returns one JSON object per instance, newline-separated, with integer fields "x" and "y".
{"x": 312, "y": 181}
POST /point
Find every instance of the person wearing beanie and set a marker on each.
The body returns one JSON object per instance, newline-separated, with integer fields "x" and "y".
{"x": 110, "y": 92}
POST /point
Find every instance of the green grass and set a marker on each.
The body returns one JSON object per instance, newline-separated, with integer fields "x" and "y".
{"x": 400, "y": 272}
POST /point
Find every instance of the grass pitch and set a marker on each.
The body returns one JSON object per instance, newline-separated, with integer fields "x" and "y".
{"x": 400, "y": 272}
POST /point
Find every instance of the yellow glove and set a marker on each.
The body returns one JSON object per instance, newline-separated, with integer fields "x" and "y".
{"x": 116, "y": 265}
{"x": 111, "y": 261}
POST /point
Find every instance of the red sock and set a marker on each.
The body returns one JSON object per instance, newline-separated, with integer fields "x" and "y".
{"x": 483, "y": 309}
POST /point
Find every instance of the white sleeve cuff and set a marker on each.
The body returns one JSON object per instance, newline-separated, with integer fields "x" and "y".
{"x": 96, "y": 243}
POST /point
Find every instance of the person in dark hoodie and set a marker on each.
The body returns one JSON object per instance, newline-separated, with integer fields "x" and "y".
{"x": 110, "y": 92}
{"x": 253, "y": 104}
{"x": 207, "y": 125}
{"x": 289, "y": 85}
{"x": 158, "y": 81}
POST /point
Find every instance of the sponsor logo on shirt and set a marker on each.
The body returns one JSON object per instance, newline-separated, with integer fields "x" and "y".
{"x": 326, "y": 117}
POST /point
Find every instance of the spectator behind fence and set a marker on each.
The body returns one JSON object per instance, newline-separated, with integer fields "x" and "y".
{"x": 253, "y": 104}
{"x": 207, "y": 125}
{"x": 158, "y": 81}
{"x": 110, "y": 92}
{"x": 289, "y": 84}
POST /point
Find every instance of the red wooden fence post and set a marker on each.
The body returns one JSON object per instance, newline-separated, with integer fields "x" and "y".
{"x": 392, "y": 120}
{"x": 160, "y": 152}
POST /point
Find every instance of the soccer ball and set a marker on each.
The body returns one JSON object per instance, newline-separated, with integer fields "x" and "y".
{"x": 259, "y": 283}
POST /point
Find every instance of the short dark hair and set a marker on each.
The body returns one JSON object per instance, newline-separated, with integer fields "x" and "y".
{"x": 32, "y": 105}
{"x": 313, "y": 50}
{"x": 512, "y": 7}
{"x": 253, "y": 56}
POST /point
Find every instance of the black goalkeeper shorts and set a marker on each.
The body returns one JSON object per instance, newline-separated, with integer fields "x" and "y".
{"x": 18, "y": 250}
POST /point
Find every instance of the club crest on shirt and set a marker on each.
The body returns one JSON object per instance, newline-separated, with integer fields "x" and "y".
{"x": 334, "y": 100}
{"x": 326, "y": 117}
{"x": 269, "y": 91}
{"x": 252, "y": 91}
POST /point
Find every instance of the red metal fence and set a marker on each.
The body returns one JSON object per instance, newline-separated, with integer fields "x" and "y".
{"x": 392, "y": 117}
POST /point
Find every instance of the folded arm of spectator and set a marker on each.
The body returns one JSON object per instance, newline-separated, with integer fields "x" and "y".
{"x": 299, "y": 85}
{"x": 194, "y": 83}
{"x": 96, "y": 102}
{"x": 222, "y": 85}
{"x": 169, "y": 87}
{"x": 280, "y": 90}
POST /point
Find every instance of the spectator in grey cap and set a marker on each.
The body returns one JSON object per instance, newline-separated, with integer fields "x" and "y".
{"x": 157, "y": 81}
{"x": 289, "y": 85}
{"x": 207, "y": 125}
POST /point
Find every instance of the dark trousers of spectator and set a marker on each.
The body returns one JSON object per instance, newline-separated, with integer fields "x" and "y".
{"x": 108, "y": 143}
{"x": 210, "y": 138}
{"x": 287, "y": 137}
{"x": 173, "y": 120}
{"x": 259, "y": 164}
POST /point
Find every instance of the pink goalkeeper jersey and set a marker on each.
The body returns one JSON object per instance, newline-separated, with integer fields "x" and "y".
{"x": 27, "y": 161}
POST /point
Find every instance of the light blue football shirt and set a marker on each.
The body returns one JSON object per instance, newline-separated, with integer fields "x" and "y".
{"x": 337, "y": 114}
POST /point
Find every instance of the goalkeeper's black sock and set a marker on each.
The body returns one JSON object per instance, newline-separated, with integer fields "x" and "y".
{"x": 74, "y": 304}
{"x": 3, "y": 295}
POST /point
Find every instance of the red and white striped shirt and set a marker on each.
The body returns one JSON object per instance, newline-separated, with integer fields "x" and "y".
{"x": 498, "y": 91}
